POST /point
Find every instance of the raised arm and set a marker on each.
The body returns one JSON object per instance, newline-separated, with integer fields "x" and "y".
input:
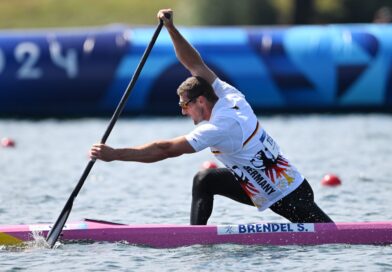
{"x": 185, "y": 52}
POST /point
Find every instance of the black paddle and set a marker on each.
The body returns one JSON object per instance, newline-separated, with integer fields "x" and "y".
{"x": 55, "y": 232}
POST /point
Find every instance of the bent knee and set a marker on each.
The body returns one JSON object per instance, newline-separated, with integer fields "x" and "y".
{"x": 202, "y": 181}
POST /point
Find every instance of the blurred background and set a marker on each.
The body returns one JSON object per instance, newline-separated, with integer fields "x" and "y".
{"x": 55, "y": 13}
{"x": 75, "y": 58}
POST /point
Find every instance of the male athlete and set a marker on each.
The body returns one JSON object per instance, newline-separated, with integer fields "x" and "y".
{"x": 256, "y": 172}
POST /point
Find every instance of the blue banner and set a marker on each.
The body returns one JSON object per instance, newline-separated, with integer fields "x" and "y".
{"x": 84, "y": 72}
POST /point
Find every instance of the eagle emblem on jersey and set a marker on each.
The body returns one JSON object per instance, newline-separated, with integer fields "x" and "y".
{"x": 273, "y": 168}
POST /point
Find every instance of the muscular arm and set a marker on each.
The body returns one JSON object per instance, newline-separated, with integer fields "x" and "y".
{"x": 185, "y": 52}
{"x": 152, "y": 152}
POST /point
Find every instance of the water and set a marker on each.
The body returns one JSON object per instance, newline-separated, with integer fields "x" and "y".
{"x": 38, "y": 175}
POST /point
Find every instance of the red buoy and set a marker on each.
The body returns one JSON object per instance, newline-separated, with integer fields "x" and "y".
{"x": 209, "y": 165}
{"x": 331, "y": 180}
{"x": 7, "y": 142}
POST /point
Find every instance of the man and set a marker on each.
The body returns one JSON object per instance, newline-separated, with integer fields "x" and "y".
{"x": 256, "y": 172}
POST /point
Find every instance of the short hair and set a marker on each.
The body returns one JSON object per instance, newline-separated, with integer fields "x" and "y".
{"x": 196, "y": 86}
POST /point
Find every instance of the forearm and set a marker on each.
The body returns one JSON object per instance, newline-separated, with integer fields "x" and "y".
{"x": 185, "y": 52}
{"x": 156, "y": 151}
{"x": 148, "y": 153}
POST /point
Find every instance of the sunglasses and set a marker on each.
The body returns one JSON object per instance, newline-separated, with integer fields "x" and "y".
{"x": 185, "y": 104}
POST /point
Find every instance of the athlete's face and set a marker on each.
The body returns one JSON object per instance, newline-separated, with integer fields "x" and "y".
{"x": 192, "y": 107}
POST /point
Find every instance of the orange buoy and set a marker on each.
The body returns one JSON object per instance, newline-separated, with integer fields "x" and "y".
{"x": 331, "y": 180}
{"x": 209, "y": 165}
{"x": 7, "y": 142}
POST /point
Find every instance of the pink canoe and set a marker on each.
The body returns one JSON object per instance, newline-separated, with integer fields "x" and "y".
{"x": 168, "y": 236}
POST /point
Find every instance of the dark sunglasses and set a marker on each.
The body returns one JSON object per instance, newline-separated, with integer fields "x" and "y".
{"x": 184, "y": 104}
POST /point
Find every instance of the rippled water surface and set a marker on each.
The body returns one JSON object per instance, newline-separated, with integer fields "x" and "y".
{"x": 38, "y": 175}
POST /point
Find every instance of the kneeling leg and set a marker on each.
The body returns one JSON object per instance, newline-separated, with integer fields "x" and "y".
{"x": 208, "y": 183}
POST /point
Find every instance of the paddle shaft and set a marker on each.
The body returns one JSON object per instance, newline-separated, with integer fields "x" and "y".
{"x": 55, "y": 231}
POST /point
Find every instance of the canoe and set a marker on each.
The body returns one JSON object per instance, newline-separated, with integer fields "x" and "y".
{"x": 170, "y": 236}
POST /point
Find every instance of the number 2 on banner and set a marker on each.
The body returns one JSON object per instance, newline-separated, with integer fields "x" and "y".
{"x": 28, "y": 53}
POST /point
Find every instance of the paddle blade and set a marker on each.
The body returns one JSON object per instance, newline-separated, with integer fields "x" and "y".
{"x": 55, "y": 232}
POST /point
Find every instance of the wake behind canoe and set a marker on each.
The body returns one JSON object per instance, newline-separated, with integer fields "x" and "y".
{"x": 170, "y": 236}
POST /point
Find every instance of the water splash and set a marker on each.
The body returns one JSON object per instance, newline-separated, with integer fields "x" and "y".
{"x": 37, "y": 242}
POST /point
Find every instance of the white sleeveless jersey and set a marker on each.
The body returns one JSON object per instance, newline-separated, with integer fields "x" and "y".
{"x": 255, "y": 159}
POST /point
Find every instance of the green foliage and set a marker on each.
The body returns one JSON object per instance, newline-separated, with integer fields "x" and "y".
{"x": 69, "y": 13}
{"x": 231, "y": 12}
{"x": 362, "y": 11}
{"x": 348, "y": 11}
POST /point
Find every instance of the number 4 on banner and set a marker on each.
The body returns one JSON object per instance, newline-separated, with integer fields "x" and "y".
{"x": 68, "y": 61}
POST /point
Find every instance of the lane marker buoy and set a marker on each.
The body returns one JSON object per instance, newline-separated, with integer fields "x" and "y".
{"x": 331, "y": 180}
{"x": 7, "y": 142}
{"x": 209, "y": 165}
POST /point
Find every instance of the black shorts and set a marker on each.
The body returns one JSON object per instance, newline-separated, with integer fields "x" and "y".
{"x": 297, "y": 207}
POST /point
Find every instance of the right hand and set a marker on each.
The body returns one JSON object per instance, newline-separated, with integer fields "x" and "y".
{"x": 102, "y": 152}
{"x": 161, "y": 16}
